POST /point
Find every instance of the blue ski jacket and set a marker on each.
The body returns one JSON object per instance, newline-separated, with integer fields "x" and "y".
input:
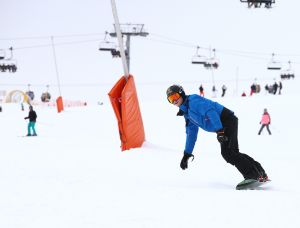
{"x": 200, "y": 112}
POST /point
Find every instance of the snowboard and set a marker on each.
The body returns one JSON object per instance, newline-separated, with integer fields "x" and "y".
{"x": 251, "y": 184}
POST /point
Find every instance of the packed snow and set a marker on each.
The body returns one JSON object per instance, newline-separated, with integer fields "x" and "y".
{"x": 73, "y": 174}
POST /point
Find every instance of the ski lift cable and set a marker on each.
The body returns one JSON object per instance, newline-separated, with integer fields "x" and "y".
{"x": 241, "y": 53}
{"x": 244, "y": 56}
{"x": 167, "y": 42}
{"x": 47, "y": 37}
{"x": 161, "y": 39}
{"x": 248, "y": 54}
{"x": 174, "y": 41}
{"x": 236, "y": 53}
{"x": 56, "y": 44}
{"x": 184, "y": 43}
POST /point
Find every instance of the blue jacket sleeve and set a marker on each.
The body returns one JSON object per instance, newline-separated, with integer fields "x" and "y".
{"x": 191, "y": 137}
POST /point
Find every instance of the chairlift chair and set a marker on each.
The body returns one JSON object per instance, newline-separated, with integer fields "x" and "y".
{"x": 274, "y": 65}
{"x": 198, "y": 59}
{"x": 258, "y": 3}
{"x": 2, "y": 54}
{"x": 115, "y": 53}
{"x": 287, "y": 73}
{"x": 107, "y": 46}
{"x": 211, "y": 63}
{"x": 8, "y": 65}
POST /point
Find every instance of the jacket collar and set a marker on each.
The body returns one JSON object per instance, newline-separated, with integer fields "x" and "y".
{"x": 185, "y": 105}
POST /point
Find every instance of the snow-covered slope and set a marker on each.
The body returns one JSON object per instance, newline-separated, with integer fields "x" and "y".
{"x": 74, "y": 174}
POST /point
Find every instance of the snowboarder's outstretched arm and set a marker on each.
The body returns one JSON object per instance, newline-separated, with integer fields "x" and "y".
{"x": 191, "y": 136}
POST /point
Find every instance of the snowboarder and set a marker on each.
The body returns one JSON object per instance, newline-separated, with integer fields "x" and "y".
{"x": 32, "y": 120}
{"x": 213, "y": 117}
{"x": 265, "y": 121}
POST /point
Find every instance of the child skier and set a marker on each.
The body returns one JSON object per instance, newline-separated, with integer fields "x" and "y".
{"x": 265, "y": 121}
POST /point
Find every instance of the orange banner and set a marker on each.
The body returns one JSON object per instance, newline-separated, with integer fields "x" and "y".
{"x": 59, "y": 104}
{"x": 124, "y": 100}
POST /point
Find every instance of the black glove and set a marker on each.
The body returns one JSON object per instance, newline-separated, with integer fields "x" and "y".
{"x": 180, "y": 113}
{"x": 184, "y": 160}
{"x": 222, "y": 138}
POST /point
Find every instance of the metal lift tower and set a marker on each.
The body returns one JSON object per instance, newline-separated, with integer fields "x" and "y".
{"x": 129, "y": 30}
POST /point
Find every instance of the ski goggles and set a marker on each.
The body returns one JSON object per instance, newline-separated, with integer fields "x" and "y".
{"x": 173, "y": 97}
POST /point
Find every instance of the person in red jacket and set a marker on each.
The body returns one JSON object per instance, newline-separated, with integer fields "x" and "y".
{"x": 265, "y": 121}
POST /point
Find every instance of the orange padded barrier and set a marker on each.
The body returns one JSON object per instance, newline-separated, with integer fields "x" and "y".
{"x": 59, "y": 104}
{"x": 124, "y": 100}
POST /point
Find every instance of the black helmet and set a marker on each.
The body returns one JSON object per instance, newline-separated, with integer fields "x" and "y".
{"x": 176, "y": 89}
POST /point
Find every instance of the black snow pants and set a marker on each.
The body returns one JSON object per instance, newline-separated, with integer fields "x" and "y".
{"x": 247, "y": 166}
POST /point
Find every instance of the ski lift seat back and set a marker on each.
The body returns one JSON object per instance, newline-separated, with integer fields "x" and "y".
{"x": 107, "y": 46}
{"x": 2, "y": 54}
{"x": 274, "y": 66}
{"x": 198, "y": 59}
{"x": 7, "y": 64}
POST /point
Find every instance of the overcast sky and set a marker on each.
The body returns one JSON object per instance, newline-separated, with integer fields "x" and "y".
{"x": 228, "y": 26}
